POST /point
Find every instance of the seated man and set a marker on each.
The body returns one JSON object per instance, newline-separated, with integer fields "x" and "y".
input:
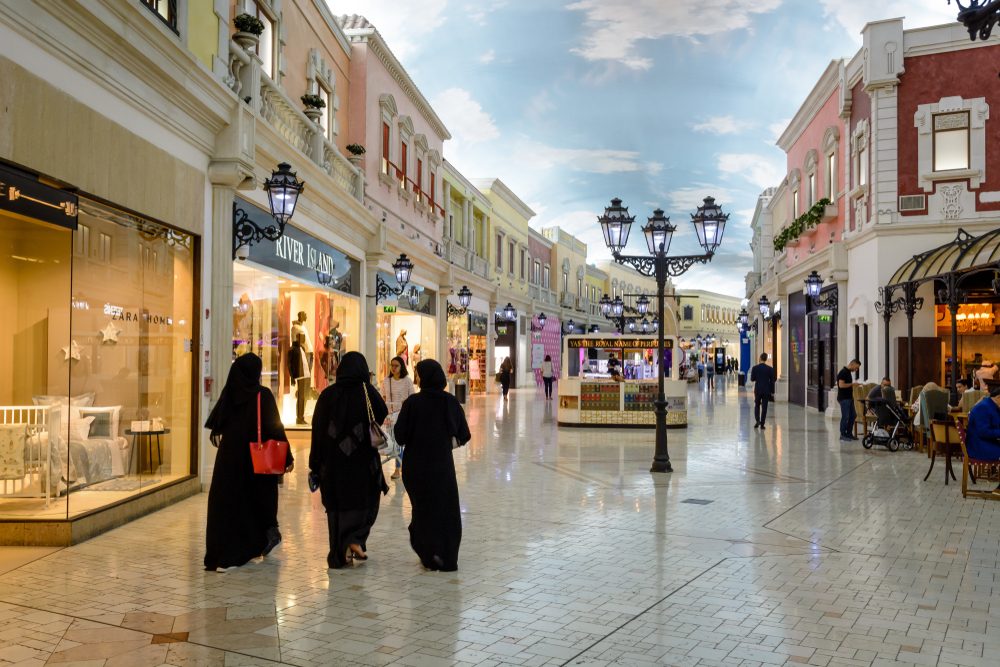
{"x": 878, "y": 392}
{"x": 982, "y": 438}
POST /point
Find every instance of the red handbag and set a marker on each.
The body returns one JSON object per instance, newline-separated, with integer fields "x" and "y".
{"x": 269, "y": 456}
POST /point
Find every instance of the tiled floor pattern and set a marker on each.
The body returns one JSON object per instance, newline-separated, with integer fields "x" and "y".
{"x": 809, "y": 552}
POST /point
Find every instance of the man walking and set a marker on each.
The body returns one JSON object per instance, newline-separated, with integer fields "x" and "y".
{"x": 763, "y": 380}
{"x": 845, "y": 397}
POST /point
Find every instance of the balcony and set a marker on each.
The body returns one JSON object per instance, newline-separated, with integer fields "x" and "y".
{"x": 270, "y": 104}
{"x": 567, "y": 300}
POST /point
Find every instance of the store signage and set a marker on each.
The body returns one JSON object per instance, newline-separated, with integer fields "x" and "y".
{"x": 388, "y": 309}
{"x": 824, "y": 315}
{"x": 617, "y": 343}
{"x": 477, "y": 323}
{"x": 302, "y": 255}
{"x": 426, "y": 302}
{"x": 21, "y": 193}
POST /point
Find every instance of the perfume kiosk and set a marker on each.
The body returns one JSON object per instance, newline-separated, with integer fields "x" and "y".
{"x": 612, "y": 381}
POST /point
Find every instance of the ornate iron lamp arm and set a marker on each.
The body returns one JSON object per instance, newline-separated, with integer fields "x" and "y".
{"x": 673, "y": 266}
{"x": 384, "y": 290}
{"x": 246, "y": 232}
{"x": 827, "y": 301}
{"x": 979, "y": 17}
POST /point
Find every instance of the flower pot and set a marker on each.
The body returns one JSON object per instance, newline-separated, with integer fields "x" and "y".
{"x": 313, "y": 113}
{"x": 247, "y": 40}
{"x": 355, "y": 160}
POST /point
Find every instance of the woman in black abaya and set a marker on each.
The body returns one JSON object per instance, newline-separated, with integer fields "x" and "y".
{"x": 342, "y": 457}
{"x": 426, "y": 425}
{"x": 242, "y": 506}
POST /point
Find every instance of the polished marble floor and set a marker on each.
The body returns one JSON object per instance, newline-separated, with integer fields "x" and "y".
{"x": 763, "y": 548}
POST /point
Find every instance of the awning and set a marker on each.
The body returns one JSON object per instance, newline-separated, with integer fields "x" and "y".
{"x": 965, "y": 254}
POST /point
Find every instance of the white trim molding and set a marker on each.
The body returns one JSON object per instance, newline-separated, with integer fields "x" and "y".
{"x": 979, "y": 113}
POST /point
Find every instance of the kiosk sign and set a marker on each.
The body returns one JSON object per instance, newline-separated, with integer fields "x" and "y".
{"x": 616, "y": 343}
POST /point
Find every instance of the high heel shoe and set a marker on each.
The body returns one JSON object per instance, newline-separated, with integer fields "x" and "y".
{"x": 356, "y": 552}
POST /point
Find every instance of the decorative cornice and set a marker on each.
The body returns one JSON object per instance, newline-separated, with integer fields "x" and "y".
{"x": 821, "y": 92}
{"x": 331, "y": 21}
{"x": 370, "y": 35}
{"x": 499, "y": 188}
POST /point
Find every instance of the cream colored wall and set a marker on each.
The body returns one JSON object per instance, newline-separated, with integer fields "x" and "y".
{"x": 203, "y": 31}
{"x": 50, "y": 132}
{"x": 515, "y": 227}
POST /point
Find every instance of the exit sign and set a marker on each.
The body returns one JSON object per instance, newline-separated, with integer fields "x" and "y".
{"x": 388, "y": 309}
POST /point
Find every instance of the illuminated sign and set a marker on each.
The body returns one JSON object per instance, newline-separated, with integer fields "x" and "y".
{"x": 616, "y": 343}
{"x": 388, "y": 309}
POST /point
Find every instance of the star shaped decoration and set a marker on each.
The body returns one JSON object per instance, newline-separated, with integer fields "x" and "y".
{"x": 72, "y": 351}
{"x": 110, "y": 333}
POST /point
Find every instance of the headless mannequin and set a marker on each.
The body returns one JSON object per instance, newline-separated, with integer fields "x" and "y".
{"x": 302, "y": 347}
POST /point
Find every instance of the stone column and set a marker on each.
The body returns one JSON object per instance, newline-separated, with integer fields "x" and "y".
{"x": 446, "y": 205}
{"x": 491, "y": 332}
{"x": 444, "y": 289}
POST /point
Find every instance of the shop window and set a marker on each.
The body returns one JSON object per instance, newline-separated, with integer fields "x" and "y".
{"x": 165, "y": 10}
{"x": 951, "y": 141}
{"x": 385, "y": 149}
{"x": 99, "y": 346}
{"x": 266, "y": 50}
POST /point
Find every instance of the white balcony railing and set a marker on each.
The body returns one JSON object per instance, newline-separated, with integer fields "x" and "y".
{"x": 273, "y": 106}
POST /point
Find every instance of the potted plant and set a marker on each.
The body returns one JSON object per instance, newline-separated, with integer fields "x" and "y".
{"x": 356, "y": 151}
{"x": 248, "y": 31}
{"x": 314, "y": 106}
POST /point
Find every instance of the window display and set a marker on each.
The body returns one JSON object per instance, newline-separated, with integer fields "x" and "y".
{"x": 96, "y": 361}
{"x": 299, "y": 330}
{"x": 411, "y": 336}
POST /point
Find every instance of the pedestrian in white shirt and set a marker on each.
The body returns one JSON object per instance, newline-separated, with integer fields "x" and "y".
{"x": 396, "y": 388}
{"x": 548, "y": 376}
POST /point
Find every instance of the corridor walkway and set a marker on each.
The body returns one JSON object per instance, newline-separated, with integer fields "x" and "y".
{"x": 762, "y": 548}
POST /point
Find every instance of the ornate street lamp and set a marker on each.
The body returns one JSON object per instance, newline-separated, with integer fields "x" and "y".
{"x": 403, "y": 268}
{"x": 464, "y": 297}
{"x": 710, "y": 224}
{"x": 764, "y": 305}
{"x": 642, "y": 304}
{"x": 979, "y": 17}
{"x": 542, "y": 319}
{"x": 631, "y": 324}
{"x": 605, "y": 303}
{"x": 814, "y": 285}
{"x": 617, "y": 307}
{"x": 644, "y": 326}
{"x": 510, "y": 313}
{"x": 744, "y": 318}
{"x": 656, "y": 324}
{"x": 283, "y": 190}
{"x": 570, "y": 326}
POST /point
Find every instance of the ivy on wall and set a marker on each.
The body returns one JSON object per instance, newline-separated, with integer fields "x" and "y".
{"x": 801, "y": 224}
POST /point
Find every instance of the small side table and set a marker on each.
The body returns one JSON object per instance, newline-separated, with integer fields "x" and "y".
{"x": 137, "y": 438}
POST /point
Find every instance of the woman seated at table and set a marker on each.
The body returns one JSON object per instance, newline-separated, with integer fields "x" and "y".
{"x": 982, "y": 437}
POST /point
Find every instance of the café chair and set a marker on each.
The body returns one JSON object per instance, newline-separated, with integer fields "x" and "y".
{"x": 976, "y": 469}
{"x": 945, "y": 441}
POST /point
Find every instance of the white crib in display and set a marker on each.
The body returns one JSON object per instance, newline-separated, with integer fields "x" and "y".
{"x": 25, "y": 452}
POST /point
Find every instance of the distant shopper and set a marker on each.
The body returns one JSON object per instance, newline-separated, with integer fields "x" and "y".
{"x": 763, "y": 380}
{"x": 710, "y": 374}
{"x": 396, "y": 388}
{"x": 845, "y": 397}
{"x": 430, "y": 425}
{"x": 548, "y": 376}
{"x": 506, "y": 375}
{"x": 342, "y": 458}
{"x": 242, "y": 506}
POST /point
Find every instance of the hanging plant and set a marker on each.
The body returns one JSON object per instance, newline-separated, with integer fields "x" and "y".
{"x": 249, "y": 23}
{"x": 313, "y": 101}
{"x": 801, "y": 224}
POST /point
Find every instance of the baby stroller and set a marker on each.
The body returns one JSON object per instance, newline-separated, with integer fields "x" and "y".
{"x": 888, "y": 426}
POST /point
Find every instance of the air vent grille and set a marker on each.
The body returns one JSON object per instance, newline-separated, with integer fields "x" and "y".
{"x": 913, "y": 202}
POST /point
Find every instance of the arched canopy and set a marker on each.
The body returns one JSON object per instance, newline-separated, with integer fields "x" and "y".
{"x": 966, "y": 253}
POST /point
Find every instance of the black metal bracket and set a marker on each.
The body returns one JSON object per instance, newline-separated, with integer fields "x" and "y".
{"x": 455, "y": 310}
{"x": 828, "y": 301}
{"x": 979, "y": 17}
{"x": 247, "y": 233}
{"x": 384, "y": 290}
{"x": 672, "y": 266}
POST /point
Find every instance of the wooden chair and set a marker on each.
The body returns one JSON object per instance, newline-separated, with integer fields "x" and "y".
{"x": 944, "y": 440}
{"x": 970, "y": 398}
{"x": 976, "y": 469}
{"x": 860, "y": 393}
{"x": 915, "y": 393}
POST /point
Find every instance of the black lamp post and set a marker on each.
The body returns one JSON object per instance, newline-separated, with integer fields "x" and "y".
{"x": 283, "y": 190}
{"x": 570, "y": 326}
{"x": 542, "y": 319}
{"x": 814, "y": 286}
{"x": 979, "y": 17}
{"x": 616, "y": 223}
{"x": 464, "y": 297}
{"x": 403, "y": 268}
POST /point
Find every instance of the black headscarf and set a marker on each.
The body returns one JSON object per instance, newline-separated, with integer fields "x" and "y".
{"x": 242, "y": 385}
{"x": 353, "y": 369}
{"x": 431, "y": 376}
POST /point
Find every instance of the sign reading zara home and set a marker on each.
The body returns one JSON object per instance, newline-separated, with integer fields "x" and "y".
{"x": 302, "y": 255}
{"x": 617, "y": 343}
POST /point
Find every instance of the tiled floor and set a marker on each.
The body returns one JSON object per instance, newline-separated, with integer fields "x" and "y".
{"x": 798, "y": 550}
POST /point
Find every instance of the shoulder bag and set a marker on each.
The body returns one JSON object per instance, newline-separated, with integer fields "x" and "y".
{"x": 268, "y": 456}
{"x": 383, "y": 444}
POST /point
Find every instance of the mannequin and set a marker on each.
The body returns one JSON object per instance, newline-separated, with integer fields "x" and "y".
{"x": 300, "y": 365}
{"x": 403, "y": 348}
{"x": 334, "y": 350}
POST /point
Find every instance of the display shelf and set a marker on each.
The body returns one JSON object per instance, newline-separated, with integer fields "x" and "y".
{"x": 600, "y": 396}
{"x": 640, "y": 397}
{"x": 477, "y": 351}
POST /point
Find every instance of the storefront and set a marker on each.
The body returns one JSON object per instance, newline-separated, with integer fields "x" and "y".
{"x": 505, "y": 346}
{"x": 546, "y": 341}
{"x": 406, "y": 326}
{"x": 97, "y": 372}
{"x": 589, "y": 395}
{"x": 295, "y": 299}
{"x": 466, "y": 348}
